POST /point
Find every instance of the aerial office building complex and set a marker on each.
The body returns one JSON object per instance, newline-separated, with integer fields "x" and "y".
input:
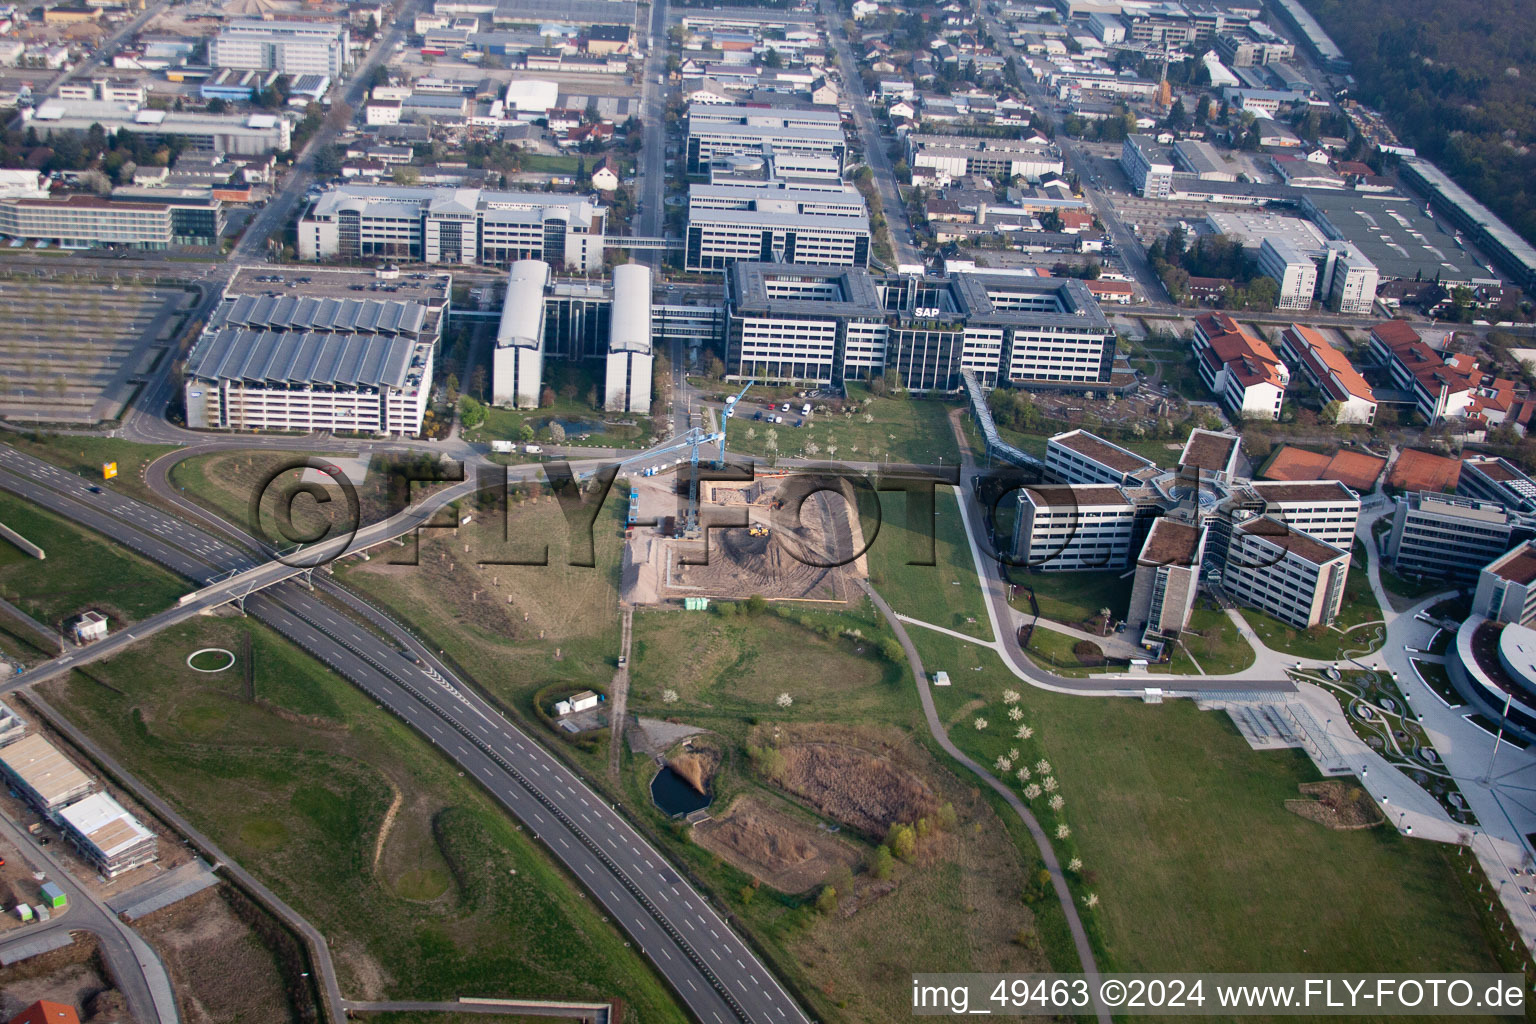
{"x": 828, "y": 324}
{"x": 775, "y": 222}
{"x": 545, "y": 318}
{"x": 290, "y": 47}
{"x": 1450, "y": 537}
{"x": 722, "y": 131}
{"x": 448, "y": 225}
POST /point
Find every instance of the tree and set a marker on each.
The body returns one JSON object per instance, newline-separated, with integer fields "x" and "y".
{"x": 556, "y": 431}
{"x": 902, "y": 840}
{"x": 881, "y": 863}
{"x": 217, "y": 105}
{"x": 477, "y": 383}
{"x": 826, "y": 900}
{"x": 591, "y": 113}
{"x": 471, "y": 412}
{"x": 451, "y": 386}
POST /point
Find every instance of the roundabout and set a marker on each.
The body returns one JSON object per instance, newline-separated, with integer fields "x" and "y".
{"x": 215, "y": 652}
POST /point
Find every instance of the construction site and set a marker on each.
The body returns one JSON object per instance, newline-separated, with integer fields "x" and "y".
{"x": 752, "y": 538}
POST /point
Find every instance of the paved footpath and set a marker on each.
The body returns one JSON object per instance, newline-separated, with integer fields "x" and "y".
{"x": 1047, "y": 851}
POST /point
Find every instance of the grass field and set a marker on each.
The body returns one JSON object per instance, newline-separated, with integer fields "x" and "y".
{"x": 297, "y": 784}
{"x": 1185, "y": 840}
{"x": 945, "y": 592}
{"x": 900, "y": 430}
{"x": 81, "y": 571}
{"x": 1072, "y": 597}
{"x": 1219, "y": 648}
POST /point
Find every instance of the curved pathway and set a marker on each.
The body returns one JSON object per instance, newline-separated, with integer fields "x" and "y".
{"x": 1042, "y": 842}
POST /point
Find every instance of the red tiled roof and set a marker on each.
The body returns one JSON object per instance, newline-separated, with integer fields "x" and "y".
{"x": 1340, "y": 379}
{"x": 1395, "y": 332}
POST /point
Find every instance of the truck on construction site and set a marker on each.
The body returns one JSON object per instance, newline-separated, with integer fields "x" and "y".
{"x": 503, "y": 446}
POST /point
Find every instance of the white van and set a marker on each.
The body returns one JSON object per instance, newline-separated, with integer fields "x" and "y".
{"x": 805, "y": 410}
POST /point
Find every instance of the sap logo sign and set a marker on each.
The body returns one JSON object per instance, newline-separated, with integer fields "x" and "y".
{"x": 926, "y": 312}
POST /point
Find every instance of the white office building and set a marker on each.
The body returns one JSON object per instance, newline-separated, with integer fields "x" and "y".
{"x": 629, "y": 362}
{"x": 1149, "y": 171}
{"x": 453, "y": 225}
{"x": 1078, "y": 457}
{"x": 775, "y": 222}
{"x": 1292, "y": 270}
{"x": 954, "y": 156}
{"x": 709, "y": 140}
{"x": 1325, "y": 509}
{"x": 517, "y": 367}
{"x": 1292, "y": 576}
{"x": 287, "y": 47}
{"x": 112, "y": 840}
{"x": 1073, "y": 527}
{"x": 1441, "y": 535}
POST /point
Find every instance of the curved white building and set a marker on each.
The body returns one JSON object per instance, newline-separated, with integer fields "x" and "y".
{"x": 630, "y": 359}
{"x": 518, "y": 363}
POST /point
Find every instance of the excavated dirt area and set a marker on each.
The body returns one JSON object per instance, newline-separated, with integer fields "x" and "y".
{"x": 854, "y": 786}
{"x": 790, "y": 855}
{"x": 738, "y": 565}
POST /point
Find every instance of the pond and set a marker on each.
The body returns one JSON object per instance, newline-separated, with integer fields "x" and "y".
{"x": 674, "y": 795}
{"x": 573, "y": 428}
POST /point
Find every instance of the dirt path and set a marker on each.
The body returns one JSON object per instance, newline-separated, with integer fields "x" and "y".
{"x": 619, "y": 697}
{"x": 389, "y": 823}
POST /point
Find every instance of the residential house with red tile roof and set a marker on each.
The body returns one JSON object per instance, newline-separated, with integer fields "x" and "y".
{"x": 1331, "y": 372}
{"x": 1239, "y": 367}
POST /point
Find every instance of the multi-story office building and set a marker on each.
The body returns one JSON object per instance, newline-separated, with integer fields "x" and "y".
{"x": 1506, "y": 587}
{"x": 763, "y": 117}
{"x": 1494, "y": 479}
{"x": 81, "y": 220}
{"x": 757, "y": 133}
{"x": 1330, "y": 372}
{"x": 544, "y": 319}
{"x": 956, "y": 156}
{"x": 1324, "y": 509}
{"x": 775, "y": 222}
{"x": 1245, "y": 49}
{"x": 448, "y": 225}
{"x": 1239, "y": 368}
{"x": 1284, "y": 572}
{"x": 629, "y": 360}
{"x": 809, "y": 323}
{"x": 1041, "y": 331}
{"x": 1449, "y": 537}
{"x": 1149, "y": 171}
{"x": 1167, "y": 578}
{"x": 1078, "y": 457}
{"x": 289, "y": 47}
{"x": 1073, "y": 527}
{"x": 230, "y": 134}
{"x": 1292, "y": 271}
{"x": 1210, "y": 455}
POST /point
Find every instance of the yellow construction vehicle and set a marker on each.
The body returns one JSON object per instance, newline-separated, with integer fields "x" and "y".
{"x": 757, "y": 530}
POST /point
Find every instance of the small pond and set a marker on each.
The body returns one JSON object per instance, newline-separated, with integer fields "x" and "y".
{"x": 674, "y": 795}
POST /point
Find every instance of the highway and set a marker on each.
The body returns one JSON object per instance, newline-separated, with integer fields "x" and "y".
{"x": 712, "y": 970}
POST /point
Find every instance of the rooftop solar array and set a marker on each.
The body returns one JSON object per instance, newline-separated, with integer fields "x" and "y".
{"x": 302, "y": 358}
{"x": 341, "y": 316}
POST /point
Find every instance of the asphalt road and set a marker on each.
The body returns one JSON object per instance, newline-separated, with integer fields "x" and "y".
{"x": 896, "y": 221}
{"x": 652, "y": 172}
{"x": 137, "y": 970}
{"x": 712, "y": 970}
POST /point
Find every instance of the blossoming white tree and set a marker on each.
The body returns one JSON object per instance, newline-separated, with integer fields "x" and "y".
{"x": 980, "y": 723}
{"x": 1043, "y": 766}
{"x": 1075, "y": 865}
{"x": 1031, "y": 791}
{"x": 1024, "y": 732}
{"x": 1010, "y": 696}
{"x": 784, "y": 700}
{"x": 1062, "y": 831}
{"x": 669, "y": 696}
{"x": 1091, "y": 900}
{"x": 1015, "y": 714}
{"x": 1049, "y": 782}
{"x": 1057, "y": 802}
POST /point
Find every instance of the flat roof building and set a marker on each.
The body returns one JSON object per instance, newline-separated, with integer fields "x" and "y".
{"x": 1209, "y": 453}
{"x": 776, "y": 222}
{"x": 1167, "y": 579}
{"x": 1443, "y": 536}
{"x": 1078, "y": 457}
{"x": 1506, "y": 587}
{"x": 709, "y": 139}
{"x": 449, "y": 225}
{"x": 43, "y": 776}
{"x": 253, "y": 134}
{"x": 1073, "y": 527}
{"x": 1324, "y": 509}
{"x": 1285, "y": 573}
{"x": 1494, "y": 479}
{"x": 1148, "y": 168}
{"x": 111, "y": 839}
{"x": 288, "y": 47}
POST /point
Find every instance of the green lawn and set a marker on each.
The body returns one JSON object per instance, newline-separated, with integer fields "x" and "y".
{"x": 898, "y": 430}
{"x": 1323, "y": 642}
{"x": 577, "y": 394}
{"x": 945, "y": 592}
{"x": 1404, "y": 593}
{"x": 1072, "y": 597}
{"x": 1054, "y": 651}
{"x": 1218, "y": 648}
{"x": 296, "y": 785}
{"x": 81, "y": 571}
{"x": 1185, "y": 839}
